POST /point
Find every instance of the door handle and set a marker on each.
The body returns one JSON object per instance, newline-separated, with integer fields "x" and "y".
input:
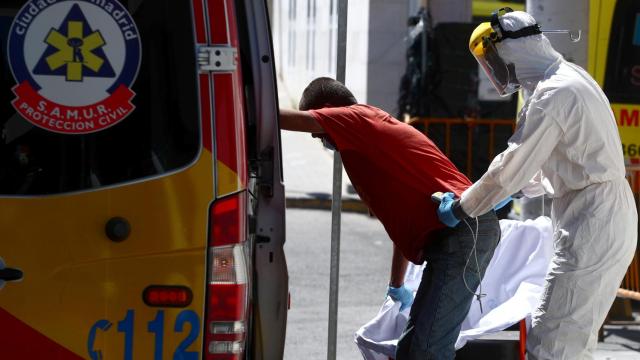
{"x": 9, "y": 274}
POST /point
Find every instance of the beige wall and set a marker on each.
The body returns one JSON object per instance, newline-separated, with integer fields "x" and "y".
{"x": 387, "y": 47}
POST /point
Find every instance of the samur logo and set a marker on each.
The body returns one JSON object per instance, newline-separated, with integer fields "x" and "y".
{"x": 74, "y": 62}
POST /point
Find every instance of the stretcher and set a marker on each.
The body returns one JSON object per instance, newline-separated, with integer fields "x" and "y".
{"x": 513, "y": 284}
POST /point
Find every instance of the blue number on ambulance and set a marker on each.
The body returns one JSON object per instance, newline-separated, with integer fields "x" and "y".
{"x": 156, "y": 327}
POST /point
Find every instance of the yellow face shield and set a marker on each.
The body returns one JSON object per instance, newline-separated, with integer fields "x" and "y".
{"x": 482, "y": 46}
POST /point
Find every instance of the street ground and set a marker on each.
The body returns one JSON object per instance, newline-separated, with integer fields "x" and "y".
{"x": 365, "y": 258}
{"x": 364, "y": 269}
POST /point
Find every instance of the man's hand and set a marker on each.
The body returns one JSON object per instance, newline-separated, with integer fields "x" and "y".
{"x": 401, "y": 294}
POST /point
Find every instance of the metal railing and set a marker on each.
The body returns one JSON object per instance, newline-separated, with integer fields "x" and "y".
{"x": 630, "y": 287}
{"x": 470, "y": 123}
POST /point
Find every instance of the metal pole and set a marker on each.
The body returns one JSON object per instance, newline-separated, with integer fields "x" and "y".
{"x": 336, "y": 203}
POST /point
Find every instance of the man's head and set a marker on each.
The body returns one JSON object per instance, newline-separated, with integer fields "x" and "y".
{"x": 325, "y": 92}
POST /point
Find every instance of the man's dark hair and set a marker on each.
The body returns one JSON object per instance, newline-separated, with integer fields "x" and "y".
{"x": 325, "y": 92}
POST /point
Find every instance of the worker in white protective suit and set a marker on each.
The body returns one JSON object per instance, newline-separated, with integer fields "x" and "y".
{"x": 567, "y": 143}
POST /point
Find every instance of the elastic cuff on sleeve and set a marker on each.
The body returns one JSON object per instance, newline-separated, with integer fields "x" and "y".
{"x": 457, "y": 210}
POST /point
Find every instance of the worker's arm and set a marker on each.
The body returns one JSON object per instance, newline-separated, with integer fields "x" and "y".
{"x": 398, "y": 268}
{"x": 510, "y": 171}
{"x": 295, "y": 120}
{"x": 537, "y": 186}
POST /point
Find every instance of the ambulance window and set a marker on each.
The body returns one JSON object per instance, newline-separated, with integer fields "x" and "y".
{"x": 132, "y": 128}
{"x": 622, "y": 76}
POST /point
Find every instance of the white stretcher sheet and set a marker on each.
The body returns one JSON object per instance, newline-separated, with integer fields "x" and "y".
{"x": 513, "y": 284}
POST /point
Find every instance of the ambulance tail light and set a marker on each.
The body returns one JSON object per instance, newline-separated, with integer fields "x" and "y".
{"x": 228, "y": 281}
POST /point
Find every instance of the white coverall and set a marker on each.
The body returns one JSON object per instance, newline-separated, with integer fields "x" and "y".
{"x": 567, "y": 138}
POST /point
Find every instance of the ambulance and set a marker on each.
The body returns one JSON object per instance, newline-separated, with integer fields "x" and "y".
{"x": 141, "y": 191}
{"x": 614, "y": 61}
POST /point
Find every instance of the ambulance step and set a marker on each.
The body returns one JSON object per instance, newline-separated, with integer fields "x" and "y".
{"x": 504, "y": 345}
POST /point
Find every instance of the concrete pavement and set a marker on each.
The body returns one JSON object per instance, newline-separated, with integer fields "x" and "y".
{"x": 365, "y": 260}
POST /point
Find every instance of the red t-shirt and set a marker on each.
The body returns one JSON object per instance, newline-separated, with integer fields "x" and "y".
{"x": 395, "y": 169}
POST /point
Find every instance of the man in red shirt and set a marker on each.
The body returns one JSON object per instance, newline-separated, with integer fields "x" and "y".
{"x": 395, "y": 169}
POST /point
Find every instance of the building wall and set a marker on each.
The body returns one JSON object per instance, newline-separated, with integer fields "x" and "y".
{"x": 305, "y": 43}
{"x": 387, "y": 46}
{"x": 450, "y": 11}
{"x": 566, "y": 14}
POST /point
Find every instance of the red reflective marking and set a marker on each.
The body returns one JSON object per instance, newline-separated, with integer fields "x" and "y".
{"x": 217, "y": 22}
{"x": 200, "y": 25}
{"x": 199, "y": 20}
{"x": 228, "y": 94}
{"x": 233, "y": 30}
{"x": 225, "y": 134}
{"x": 205, "y": 111}
{"x": 238, "y": 98}
{"x": 20, "y": 341}
{"x": 241, "y": 168}
{"x": 229, "y": 123}
{"x": 204, "y": 84}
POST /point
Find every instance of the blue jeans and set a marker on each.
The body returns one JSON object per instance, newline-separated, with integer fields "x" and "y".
{"x": 443, "y": 301}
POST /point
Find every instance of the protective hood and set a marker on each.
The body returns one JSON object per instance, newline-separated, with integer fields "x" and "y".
{"x": 531, "y": 55}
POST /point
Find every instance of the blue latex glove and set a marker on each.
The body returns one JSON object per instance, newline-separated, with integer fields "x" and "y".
{"x": 402, "y": 294}
{"x": 502, "y": 203}
{"x": 445, "y": 210}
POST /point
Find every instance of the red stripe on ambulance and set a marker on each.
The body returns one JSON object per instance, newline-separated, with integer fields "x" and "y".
{"x": 229, "y": 99}
{"x": 228, "y": 106}
{"x": 204, "y": 82}
{"x": 20, "y": 341}
{"x": 200, "y": 25}
{"x": 205, "y": 110}
{"x": 216, "y": 10}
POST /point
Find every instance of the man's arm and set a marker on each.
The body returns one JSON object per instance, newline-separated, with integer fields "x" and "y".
{"x": 398, "y": 268}
{"x": 295, "y": 120}
{"x": 396, "y": 289}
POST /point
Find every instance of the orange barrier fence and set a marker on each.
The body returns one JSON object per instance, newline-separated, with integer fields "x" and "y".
{"x": 630, "y": 287}
{"x": 470, "y": 124}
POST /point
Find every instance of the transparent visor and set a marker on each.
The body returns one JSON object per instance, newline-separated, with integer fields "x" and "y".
{"x": 502, "y": 76}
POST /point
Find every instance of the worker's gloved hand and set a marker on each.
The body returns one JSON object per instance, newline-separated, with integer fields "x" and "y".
{"x": 502, "y": 203}
{"x": 450, "y": 212}
{"x": 402, "y": 294}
